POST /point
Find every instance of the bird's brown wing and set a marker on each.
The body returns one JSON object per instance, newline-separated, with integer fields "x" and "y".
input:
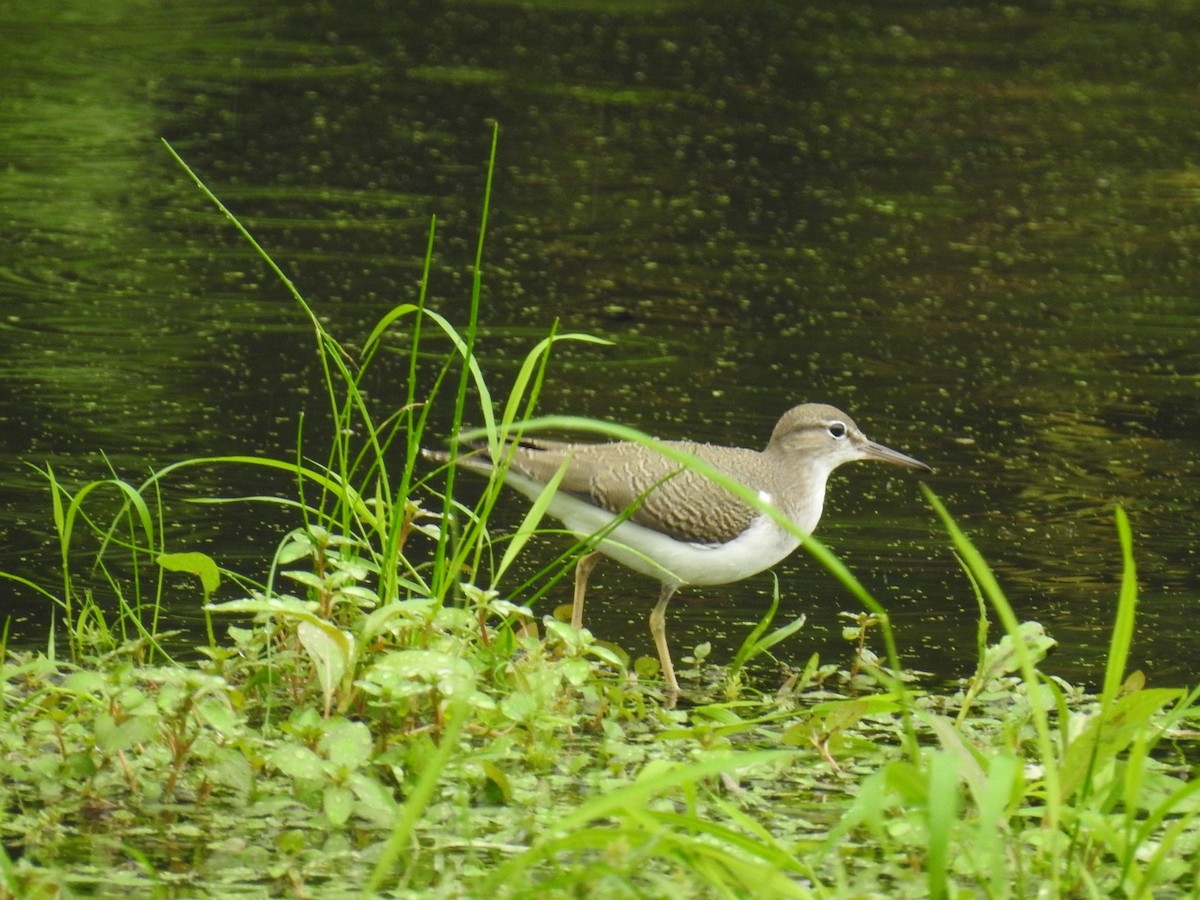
{"x": 665, "y": 496}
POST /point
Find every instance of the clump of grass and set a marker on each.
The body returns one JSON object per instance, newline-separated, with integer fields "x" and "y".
{"x": 1044, "y": 787}
{"x": 379, "y": 718}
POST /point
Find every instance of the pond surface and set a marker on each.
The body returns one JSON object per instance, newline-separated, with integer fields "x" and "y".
{"x": 975, "y": 228}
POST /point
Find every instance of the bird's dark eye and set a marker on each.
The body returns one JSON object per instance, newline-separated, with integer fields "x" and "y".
{"x": 837, "y": 430}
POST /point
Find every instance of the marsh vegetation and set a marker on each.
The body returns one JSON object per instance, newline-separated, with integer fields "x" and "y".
{"x": 373, "y": 714}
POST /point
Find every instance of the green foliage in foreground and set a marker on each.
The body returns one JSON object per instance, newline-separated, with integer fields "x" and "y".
{"x": 339, "y": 742}
{"x": 376, "y": 724}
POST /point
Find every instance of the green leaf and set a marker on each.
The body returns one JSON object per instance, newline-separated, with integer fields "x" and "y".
{"x": 194, "y": 563}
{"x": 218, "y": 715}
{"x": 330, "y": 650}
{"x": 85, "y": 682}
{"x": 1109, "y": 733}
{"x": 501, "y": 788}
{"x": 308, "y": 579}
{"x": 347, "y": 743}
{"x": 1122, "y": 632}
{"x": 229, "y": 766}
{"x": 941, "y": 814}
{"x": 339, "y": 803}
{"x": 1003, "y": 658}
{"x": 288, "y": 607}
{"x": 111, "y": 736}
{"x": 375, "y": 801}
{"x": 451, "y": 675}
{"x": 297, "y": 761}
{"x": 519, "y": 706}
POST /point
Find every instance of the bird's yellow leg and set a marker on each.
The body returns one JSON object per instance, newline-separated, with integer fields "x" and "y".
{"x": 583, "y": 569}
{"x": 658, "y": 628}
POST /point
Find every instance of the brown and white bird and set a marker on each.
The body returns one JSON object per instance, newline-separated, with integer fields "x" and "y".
{"x": 658, "y": 517}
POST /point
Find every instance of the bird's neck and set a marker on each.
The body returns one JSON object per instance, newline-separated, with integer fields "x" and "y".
{"x": 802, "y": 496}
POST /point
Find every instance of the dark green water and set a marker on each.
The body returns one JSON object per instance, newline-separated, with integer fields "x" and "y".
{"x": 974, "y": 227}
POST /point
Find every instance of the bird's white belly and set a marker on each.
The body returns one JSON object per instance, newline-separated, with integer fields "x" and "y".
{"x": 644, "y": 550}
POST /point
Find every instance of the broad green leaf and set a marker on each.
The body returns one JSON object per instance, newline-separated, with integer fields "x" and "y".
{"x": 218, "y": 715}
{"x": 194, "y": 563}
{"x": 339, "y": 803}
{"x": 330, "y": 650}
{"x": 519, "y": 706}
{"x": 347, "y": 743}
{"x": 375, "y": 801}
{"x": 1003, "y": 657}
{"x": 297, "y": 761}
{"x": 85, "y": 682}
{"x": 452, "y": 676}
{"x": 112, "y": 736}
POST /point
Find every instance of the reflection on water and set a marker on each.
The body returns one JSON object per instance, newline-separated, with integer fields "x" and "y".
{"x": 975, "y": 229}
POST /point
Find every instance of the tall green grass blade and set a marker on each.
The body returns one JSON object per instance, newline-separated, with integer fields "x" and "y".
{"x": 64, "y": 549}
{"x": 414, "y": 347}
{"x": 755, "y": 644}
{"x": 982, "y": 575}
{"x": 529, "y": 525}
{"x": 8, "y": 876}
{"x": 941, "y": 814}
{"x": 1122, "y": 720}
{"x": 468, "y": 345}
{"x": 529, "y": 377}
{"x": 1122, "y": 632}
{"x": 323, "y": 336}
{"x": 67, "y": 517}
{"x": 992, "y": 831}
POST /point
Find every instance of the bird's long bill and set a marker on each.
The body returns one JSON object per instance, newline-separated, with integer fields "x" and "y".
{"x": 873, "y": 450}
